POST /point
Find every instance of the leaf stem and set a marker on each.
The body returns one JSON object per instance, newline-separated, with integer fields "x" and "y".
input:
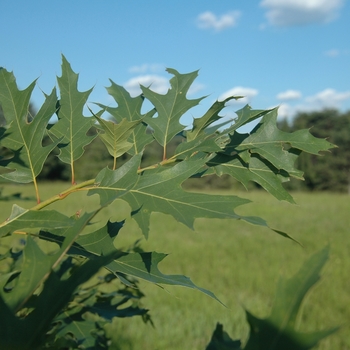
{"x": 64, "y": 194}
{"x": 72, "y": 170}
{"x": 164, "y": 153}
{"x": 36, "y": 190}
{"x": 154, "y": 166}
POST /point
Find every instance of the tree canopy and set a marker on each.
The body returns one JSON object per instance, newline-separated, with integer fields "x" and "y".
{"x": 331, "y": 171}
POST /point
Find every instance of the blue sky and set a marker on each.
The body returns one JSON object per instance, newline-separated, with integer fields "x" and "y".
{"x": 289, "y": 53}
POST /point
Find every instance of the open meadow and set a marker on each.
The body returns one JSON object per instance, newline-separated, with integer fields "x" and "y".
{"x": 240, "y": 263}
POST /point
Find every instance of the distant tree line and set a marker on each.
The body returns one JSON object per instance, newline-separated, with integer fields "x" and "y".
{"x": 330, "y": 172}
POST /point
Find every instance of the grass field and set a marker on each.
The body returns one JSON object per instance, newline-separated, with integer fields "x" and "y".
{"x": 240, "y": 263}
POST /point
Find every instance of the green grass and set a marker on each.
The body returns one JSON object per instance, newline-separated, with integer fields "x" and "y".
{"x": 240, "y": 263}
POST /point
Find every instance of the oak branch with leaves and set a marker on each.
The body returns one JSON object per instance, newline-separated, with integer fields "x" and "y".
{"x": 209, "y": 147}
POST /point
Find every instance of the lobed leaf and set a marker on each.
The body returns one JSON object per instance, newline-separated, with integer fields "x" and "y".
{"x": 72, "y": 127}
{"x": 188, "y": 149}
{"x": 139, "y": 265}
{"x": 257, "y": 170}
{"x": 24, "y": 220}
{"x": 54, "y": 297}
{"x": 34, "y": 267}
{"x": 171, "y": 106}
{"x": 58, "y": 289}
{"x": 246, "y": 115}
{"x": 162, "y": 192}
{"x": 24, "y": 137}
{"x": 115, "y": 136}
{"x": 37, "y": 265}
{"x": 79, "y": 330}
{"x": 274, "y": 145}
{"x": 129, "y": 108}
{"x": 200, "y": 125}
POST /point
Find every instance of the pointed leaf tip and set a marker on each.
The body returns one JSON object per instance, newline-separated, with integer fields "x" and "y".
{"x": 171, "y": 106}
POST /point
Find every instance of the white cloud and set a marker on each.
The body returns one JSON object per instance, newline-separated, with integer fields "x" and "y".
{"x": 157, "y": 83}
{"x": 285, "y": 13}
{"x": 195, "y": 87}
{"x": 248, "y": 94}
{"x": 289, "y": 95}
{"x": 143, "y": 68}
{"x": 285, "y": 110}
{"x": 208, "y": 20}
{"x": 328, "y": 98}
{"x": 332, "y": 53}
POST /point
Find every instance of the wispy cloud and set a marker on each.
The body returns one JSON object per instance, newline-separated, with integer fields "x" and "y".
{"x": 195, "y": 87}
{"x": 208, "y": 20}
{"x": 157, "y": 83}
{"x": 332, "y": 53}
{"x": 248, "y": 93}
{"x": 285, "y": 13}
{"x": 327, "y": 98}
{"x": 289, "y": 95}
{"x": 285, "y": 110}
{"x": 146, "y": 67}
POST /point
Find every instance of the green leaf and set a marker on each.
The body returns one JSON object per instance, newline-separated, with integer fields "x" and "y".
{"x": 72, "y": 126}
{"x": 55, "y": 295}
{"x": 200, "y": 125}
{"x": 274, "y": 145}
{"x": 90, "y": 310}
{"x": 37, "y": 265}
{"x": 115, "y": 136}
{"x": 85, "y": 331}
{"x": 99, "y": 242}
{"x": 245, "y": 116}
{"x": 145, "y": 266}
{"x": 162, "y": 192}
{"x": 171, "y": 106}
{"x": 24, "y": 220}
{"x": 130, "y": 108}
{"x": 207, "y": 145}
{"x": 257, "y": 170}
{"x": 266, "y": 155}
{"x": 24, "y": 137}
{"x": 202, "y": 137}
{"x": 279, "y": 330}
{"x": 112, "y": 184}
{"x": 139, "y": 265}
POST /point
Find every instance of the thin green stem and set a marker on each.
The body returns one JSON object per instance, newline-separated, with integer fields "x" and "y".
{"x": 164, "y": 153}
{"x": 82, "y": 186}
{"x": 36, "y": 190}
{"x": 154, "y": 166}
{"x": 73, "y": 176}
